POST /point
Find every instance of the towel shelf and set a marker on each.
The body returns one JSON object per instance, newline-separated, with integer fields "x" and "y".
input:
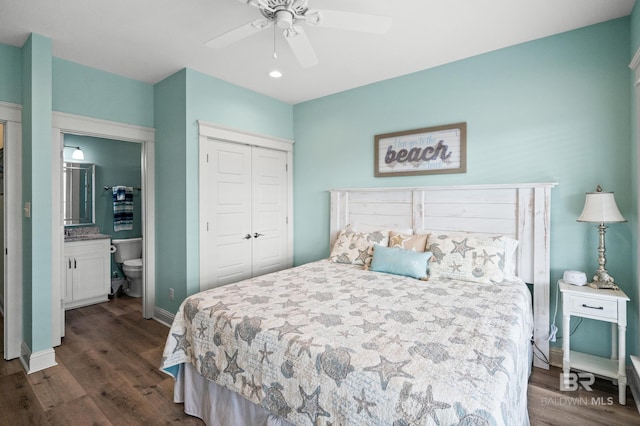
{"x": 106, "y": 188}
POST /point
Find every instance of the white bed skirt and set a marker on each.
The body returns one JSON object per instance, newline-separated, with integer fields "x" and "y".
{"x": 217, "y": 405}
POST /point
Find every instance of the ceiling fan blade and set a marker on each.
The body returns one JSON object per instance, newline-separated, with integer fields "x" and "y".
{"x": 260, "y": 4}
{"x": 352, "y": 21}
{"x": 302, "y": 49}
{"x": 238, "y": 33}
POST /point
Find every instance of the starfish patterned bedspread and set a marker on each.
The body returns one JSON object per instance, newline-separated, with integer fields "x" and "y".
{"x": 327, "y": 343}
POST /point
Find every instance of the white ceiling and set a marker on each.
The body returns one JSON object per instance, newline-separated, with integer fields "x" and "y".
{"x": 148, "y": 40}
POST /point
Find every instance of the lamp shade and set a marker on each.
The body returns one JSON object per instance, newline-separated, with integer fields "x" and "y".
{"x": 77, "y": 154}
{"x": 600, "y": 207}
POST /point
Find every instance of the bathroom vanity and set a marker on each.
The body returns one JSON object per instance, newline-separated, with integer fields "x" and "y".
{"x": 87, "y": 256}
{"x": 87, "y": 266}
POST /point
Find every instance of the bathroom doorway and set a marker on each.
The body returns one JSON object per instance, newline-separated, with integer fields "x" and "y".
{"x": 112, "y": 164}
{"x": 78, "y": 128}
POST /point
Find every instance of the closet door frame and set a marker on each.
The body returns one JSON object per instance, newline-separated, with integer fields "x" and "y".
{"x": 208, "y": 131}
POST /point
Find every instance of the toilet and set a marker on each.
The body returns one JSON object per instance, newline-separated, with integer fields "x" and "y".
{"x": 128, "y": 254}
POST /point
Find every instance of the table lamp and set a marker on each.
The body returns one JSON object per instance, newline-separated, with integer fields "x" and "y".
{"x": 600, "y": 207}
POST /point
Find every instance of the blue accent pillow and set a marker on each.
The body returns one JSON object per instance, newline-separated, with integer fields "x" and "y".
{"x": 399, "y": 261}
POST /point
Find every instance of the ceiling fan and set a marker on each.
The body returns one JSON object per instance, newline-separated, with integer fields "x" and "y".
{"x": 289, "y": 14}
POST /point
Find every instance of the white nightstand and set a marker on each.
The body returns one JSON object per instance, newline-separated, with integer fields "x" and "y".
{"x": 603, "y": 305}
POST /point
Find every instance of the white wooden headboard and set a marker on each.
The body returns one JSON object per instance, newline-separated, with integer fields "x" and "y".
{"x": 521, "y": 211}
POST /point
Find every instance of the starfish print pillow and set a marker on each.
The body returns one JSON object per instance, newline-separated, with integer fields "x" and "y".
{"x": 355, "y": 247}
{"x": 469, "y": 257}
{"x": 407, "y": 241}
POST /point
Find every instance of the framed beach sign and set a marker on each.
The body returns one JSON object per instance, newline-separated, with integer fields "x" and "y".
{"x": 432, "y": 150}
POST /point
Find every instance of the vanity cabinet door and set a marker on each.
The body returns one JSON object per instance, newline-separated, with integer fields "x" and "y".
{"x": 87, "y": 264}
{"x": 88, "y": 280}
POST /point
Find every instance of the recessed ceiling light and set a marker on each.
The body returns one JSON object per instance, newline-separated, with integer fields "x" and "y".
{"x": 275, "y": 74}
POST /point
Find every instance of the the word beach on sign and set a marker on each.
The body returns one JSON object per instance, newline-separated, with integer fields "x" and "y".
{"x": 431, "y": 150}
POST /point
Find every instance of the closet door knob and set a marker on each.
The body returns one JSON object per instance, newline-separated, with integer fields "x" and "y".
{"x": 256, "y": 235}
{"x": 247, "y": 237}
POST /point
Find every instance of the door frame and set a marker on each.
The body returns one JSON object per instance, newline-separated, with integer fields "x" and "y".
{"x": 64, "y": 123}
{"x": 635, "y": 67}
{"x": 11, "y": 116}
{"x": 208, "y": 131}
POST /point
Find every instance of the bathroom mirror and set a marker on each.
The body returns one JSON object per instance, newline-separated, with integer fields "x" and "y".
{"x": 78, "y": 189}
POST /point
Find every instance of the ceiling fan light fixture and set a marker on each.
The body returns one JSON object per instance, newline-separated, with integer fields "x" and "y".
{"x": 275, "y": 74}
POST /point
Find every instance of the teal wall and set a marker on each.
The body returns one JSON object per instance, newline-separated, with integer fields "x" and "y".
{"x": 551, "y": 110}
{"x": 635, "y": 30}
{"x": 36, "y": 189}
{"x": 11, "y": 72}
{"x": 170, "y": 104}
{"x": 82, "y": 90}
{"x": 180, "y": 101}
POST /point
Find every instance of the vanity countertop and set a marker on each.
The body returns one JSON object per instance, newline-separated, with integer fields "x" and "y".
{"x": 83, "y": 233}
{"x": 85, "y": 237}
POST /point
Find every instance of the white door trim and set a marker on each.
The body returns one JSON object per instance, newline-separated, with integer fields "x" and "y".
{"x": 87, "y": 126}
{"x": 11, "y": 115}
{"x": 635, "y": 66}
{"x": 240, "y": 136}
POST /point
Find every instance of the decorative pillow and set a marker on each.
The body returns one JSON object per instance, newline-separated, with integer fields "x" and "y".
{"x": 356, "y": 248}
{"x": 399, "y": 261}
{"x": 408, "y": 241}
{"x": 471, "y": 257}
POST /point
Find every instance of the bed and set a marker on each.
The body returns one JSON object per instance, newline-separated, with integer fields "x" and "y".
{"x": 353, "y": 340}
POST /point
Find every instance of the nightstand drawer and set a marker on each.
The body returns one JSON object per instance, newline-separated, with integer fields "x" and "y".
{"x": 592, "y": 307}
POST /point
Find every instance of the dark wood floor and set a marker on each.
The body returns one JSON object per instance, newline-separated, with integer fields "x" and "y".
{"x": 107, "y": 374}
{"x": 598, "y": 407}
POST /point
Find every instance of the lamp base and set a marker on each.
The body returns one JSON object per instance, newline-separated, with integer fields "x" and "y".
{"x": 600, "y": 285}
{"x": 602, "y": 280}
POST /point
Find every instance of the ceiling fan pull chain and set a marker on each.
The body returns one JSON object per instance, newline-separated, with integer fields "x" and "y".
{"x": 275, "y": 55}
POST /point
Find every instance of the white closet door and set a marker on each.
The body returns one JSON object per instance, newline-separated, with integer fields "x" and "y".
{"x": 269, "y": 210}
{"x": 226, "y": 213}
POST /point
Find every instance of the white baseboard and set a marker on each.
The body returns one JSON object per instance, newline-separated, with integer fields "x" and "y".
{"x": 163, "y": 316}
{"x": 37, "y": 361}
